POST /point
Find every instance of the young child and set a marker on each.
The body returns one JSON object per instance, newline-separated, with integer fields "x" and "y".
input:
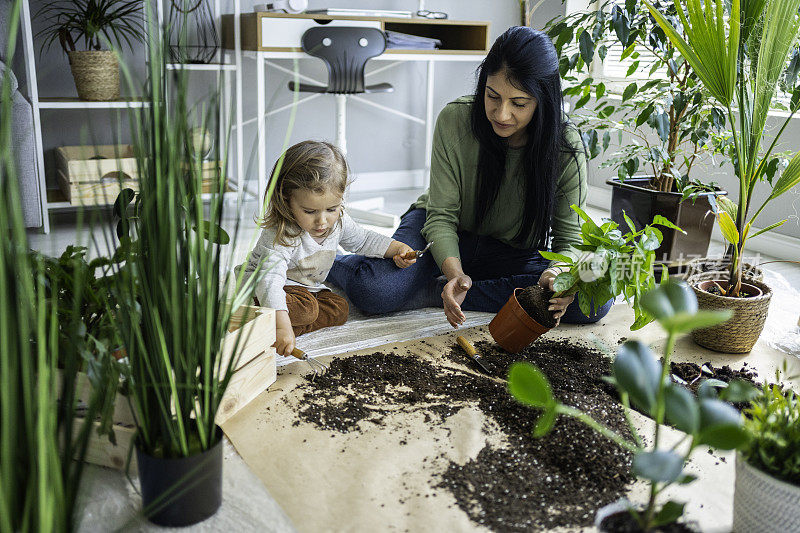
{"x": 304, "y": 226}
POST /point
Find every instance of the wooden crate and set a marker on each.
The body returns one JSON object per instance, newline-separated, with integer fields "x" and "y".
{"x": 255, "y": 370}
{"x": 94, "y": 175}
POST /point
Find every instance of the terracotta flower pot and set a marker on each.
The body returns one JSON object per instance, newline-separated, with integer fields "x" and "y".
{"x": 740, "y": 333}
{"x": 512, "y": 328}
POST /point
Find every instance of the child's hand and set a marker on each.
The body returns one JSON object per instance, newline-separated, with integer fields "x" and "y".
{"x": 284, "y": 341}
{"x": 404, "y": 249}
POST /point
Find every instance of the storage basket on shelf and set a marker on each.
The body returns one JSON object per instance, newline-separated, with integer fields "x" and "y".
{"x": 94, "y": 175}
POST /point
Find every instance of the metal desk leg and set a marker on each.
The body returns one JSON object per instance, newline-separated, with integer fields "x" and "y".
{"x": 262, "y": 140}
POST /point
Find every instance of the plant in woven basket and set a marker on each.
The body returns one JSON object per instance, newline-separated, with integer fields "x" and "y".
{"x": 669, "y": 118}
{"x": 93, "y": 25}
{"x": 642, "y": 381}
{"x": 739, "y": 51}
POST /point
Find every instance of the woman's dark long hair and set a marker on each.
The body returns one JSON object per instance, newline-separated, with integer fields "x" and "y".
{"x": 530, "y": 61}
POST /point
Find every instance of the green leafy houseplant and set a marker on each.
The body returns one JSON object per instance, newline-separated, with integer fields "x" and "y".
{"x": 642, "y": 381}
{"x": 610, "y": 263}
{"x": 772, "y": 422}
{"x": 93, "y": 23}
{"x": 669, "y": 118}
{"x": 740, "y": 54}
{"x": 41, "y": 445}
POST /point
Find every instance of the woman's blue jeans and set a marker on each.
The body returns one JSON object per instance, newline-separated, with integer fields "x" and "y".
{"x": 377, "y": 286}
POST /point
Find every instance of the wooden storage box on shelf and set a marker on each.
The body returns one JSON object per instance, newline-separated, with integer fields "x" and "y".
{"x": 255, "y": 370}
{"x": 94, "y": 175}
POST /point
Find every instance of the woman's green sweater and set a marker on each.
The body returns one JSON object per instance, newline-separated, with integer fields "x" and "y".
{"x": 450, "y": 200}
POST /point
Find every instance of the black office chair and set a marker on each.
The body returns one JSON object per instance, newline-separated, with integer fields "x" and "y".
{"x": 346, "y": 50}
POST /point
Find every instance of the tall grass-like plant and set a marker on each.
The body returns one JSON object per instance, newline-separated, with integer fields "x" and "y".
{"x": 176, "y": 293}
{"x": 42, "y": 442}
{"x": 739, "y": 54}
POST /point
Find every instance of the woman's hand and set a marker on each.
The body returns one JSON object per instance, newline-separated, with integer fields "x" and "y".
{"x": 557, "y": 305}
{"x": 453, "y": 296}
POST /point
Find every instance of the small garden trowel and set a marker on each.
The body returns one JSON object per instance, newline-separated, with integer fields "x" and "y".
{"x": 416, "y": 254}
{"x": 473, "y": 353}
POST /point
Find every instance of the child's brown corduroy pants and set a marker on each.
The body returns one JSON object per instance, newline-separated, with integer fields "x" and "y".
{"x": 310, "y": 311}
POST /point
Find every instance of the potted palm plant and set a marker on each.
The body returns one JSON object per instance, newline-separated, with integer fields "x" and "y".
{"x": 83, "y": 28}
{"x": 661, "y": 119}
{"x": 739, "y": 54}
{"x": 174, "y": 298}
{"x": 767, "y": 492}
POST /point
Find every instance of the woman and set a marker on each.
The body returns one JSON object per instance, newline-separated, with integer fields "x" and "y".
{"x": 505, "y": 169}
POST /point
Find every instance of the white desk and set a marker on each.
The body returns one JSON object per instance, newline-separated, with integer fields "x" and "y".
{"x": 254, "y": 37}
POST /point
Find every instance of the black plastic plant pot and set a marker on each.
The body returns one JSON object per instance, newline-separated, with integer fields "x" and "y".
{"x": 184, "y": 491}
{"x": 641, "y": 204}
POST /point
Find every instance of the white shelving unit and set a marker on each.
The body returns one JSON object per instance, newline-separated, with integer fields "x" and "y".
{"x": 44, "y": 107}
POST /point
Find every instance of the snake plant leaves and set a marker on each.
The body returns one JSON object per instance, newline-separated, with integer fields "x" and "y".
{"x": 638, "y": 372}
{"x": 529, "y": 385}
{"x": 681, "y": 409}
{"x": 661, "y": 466}
{"x": 721, "y": 425}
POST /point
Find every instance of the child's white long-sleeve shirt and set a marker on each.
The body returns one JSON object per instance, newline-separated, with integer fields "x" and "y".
{"x": 308, "y": 262}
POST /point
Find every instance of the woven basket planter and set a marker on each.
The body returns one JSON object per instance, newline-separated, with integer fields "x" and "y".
{"x": 740, "y": 333}
{"x": 96, "y": 74}
{"x": 762, "y": 502}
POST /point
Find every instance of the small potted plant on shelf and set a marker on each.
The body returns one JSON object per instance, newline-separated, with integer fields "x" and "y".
{"x": 83, "y": 29}
{"x": 608, "y": 263}
{"x": 663, "y": 122}
{"x": 174, "y": 301}
{"x": 767, "y": 492}
{"x": 739, "y": 54}
{"x": 643, "y": 382}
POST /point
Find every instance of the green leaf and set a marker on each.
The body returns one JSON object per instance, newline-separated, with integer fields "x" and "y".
{"x": 660, "y": 220}
{"x": 738, "y": 391}
{"x": 686, "y": 322}
{"x": 564, "y": 281}
{"x": 669, "y": 513}
{"x": 708, "y": 388}
{"x": 638, "y": 372}
{"x": 213, "y": 232}
{"x": 620, "y": 23}
{"x": 789, "y": 178}
{"x": 553, "y": 256}
{"x": 529, "y": 386}
{"x": 665, "y": 301}
{"x": 629, "y": 222}
{"x": 681, "y": 409}
{"x": 661, "y": 124}
{"x": 586, "y": 47}
{"x": 660, "y": 466}
{"x": 644, "y": 116}
{"x": 768, "y": 228}
{"x": 721, "y": 425}
{"x": 629, "y": 91}
{"x": 124, "y": 198}
{"x": 600, "y": 90}
{"x": 685, "y": 479}
{"x": 728, "y": 227}
{"x": 545, "y": 422}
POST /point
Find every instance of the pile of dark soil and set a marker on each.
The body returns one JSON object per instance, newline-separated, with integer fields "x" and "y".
{"x": 558, "y": 480}
{"x": 535, "y": 300}
{"x": 692, "y": 375}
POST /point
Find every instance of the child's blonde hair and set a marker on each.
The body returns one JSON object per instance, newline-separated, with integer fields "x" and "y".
{"x": 315, "y": 166}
